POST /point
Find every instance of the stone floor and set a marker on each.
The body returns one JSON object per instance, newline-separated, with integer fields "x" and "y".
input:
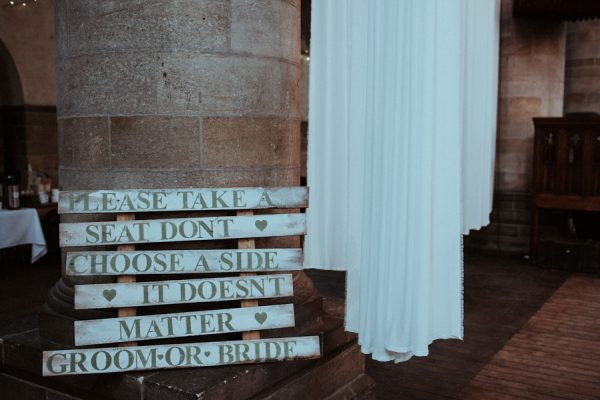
{"x": 23, "y": 289}
{"x": 501, "y": 294}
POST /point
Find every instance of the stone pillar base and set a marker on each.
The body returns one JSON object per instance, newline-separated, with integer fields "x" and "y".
{"x": 337, "y": 375}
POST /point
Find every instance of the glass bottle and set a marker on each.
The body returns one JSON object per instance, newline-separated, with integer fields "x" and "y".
{"x": 13, "y": 194}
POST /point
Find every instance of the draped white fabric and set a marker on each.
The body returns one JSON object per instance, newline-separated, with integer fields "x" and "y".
{"x": 396, "y": 91}
{"x": 480, "y": 82}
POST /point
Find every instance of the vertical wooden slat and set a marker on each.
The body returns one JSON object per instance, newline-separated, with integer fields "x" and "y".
{"x": 562, "y": 161}
{"x": 588, "y": 163}
{"x": 129, "y": 311}
{"x": 248, "y": 244}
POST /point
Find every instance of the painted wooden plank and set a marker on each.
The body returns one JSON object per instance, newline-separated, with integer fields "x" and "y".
{"x": 188, "y": 355}
{"x": 182, "y": 261}
{"x": 180, "y": 229}
{"x": 145, "y": 200}
{"x": 126, "y": 312}
{"x": 195, "y": 323}
{"x": 139, "y": 294}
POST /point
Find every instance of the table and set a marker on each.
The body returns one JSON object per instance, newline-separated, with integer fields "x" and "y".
{"x": 22, "y": 226}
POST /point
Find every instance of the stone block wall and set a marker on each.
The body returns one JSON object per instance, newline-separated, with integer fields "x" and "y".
{"x": 30, "y": 136}
{"x": 532, "y": 62}
{"x": 509, "y": 228}
{"x": 28, "y": 130}
{"x": 582, "y": 75}
{"x": 28, "y": 35}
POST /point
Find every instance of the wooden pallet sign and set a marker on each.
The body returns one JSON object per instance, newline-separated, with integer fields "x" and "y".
{"x": 245, "y": 286}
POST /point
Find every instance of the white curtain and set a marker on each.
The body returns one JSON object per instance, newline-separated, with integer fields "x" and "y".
{"x": 481, "y": 34}
{"x": 401, "y": 92}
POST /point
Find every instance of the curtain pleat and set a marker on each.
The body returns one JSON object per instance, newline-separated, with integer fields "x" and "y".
{"x": 391, "y": 107}
{"x": 481, "y": 41}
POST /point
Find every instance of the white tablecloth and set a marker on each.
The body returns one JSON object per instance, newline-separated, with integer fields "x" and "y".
{"x": 22, "y": 226}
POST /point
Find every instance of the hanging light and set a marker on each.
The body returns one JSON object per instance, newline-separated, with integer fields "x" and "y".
{"x": 21, "y": 3}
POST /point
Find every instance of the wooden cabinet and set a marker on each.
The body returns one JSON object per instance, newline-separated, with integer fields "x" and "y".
{"x": 566, "y": 170}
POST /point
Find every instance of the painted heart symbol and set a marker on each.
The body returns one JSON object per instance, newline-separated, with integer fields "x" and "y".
{"x": 261, "y": 317}
{"x": 109, "y": 294}
{"x": 261, "y": 224}
{"x": 207, "y": 353}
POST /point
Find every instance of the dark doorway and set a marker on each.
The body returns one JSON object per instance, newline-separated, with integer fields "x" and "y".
{"x": 12, "y": 116}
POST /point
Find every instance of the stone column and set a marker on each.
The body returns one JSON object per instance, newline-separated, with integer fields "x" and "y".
{"x": 163, "y": 94}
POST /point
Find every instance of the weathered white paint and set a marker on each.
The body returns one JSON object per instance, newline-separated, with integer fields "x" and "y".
{"x": 138, "y": 358}
{"x": 144, "y": 200}
{"x": 195, "y": 323}
{"x": 114, "y": 295}
{"x": 248, "y": 244}
{"x": 182, "y": 261}
{"x": 180, "y": 229}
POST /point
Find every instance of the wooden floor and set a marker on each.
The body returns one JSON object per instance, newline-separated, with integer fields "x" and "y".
{"x": 555, "y": 356}
{"x": 500, "y": 295}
